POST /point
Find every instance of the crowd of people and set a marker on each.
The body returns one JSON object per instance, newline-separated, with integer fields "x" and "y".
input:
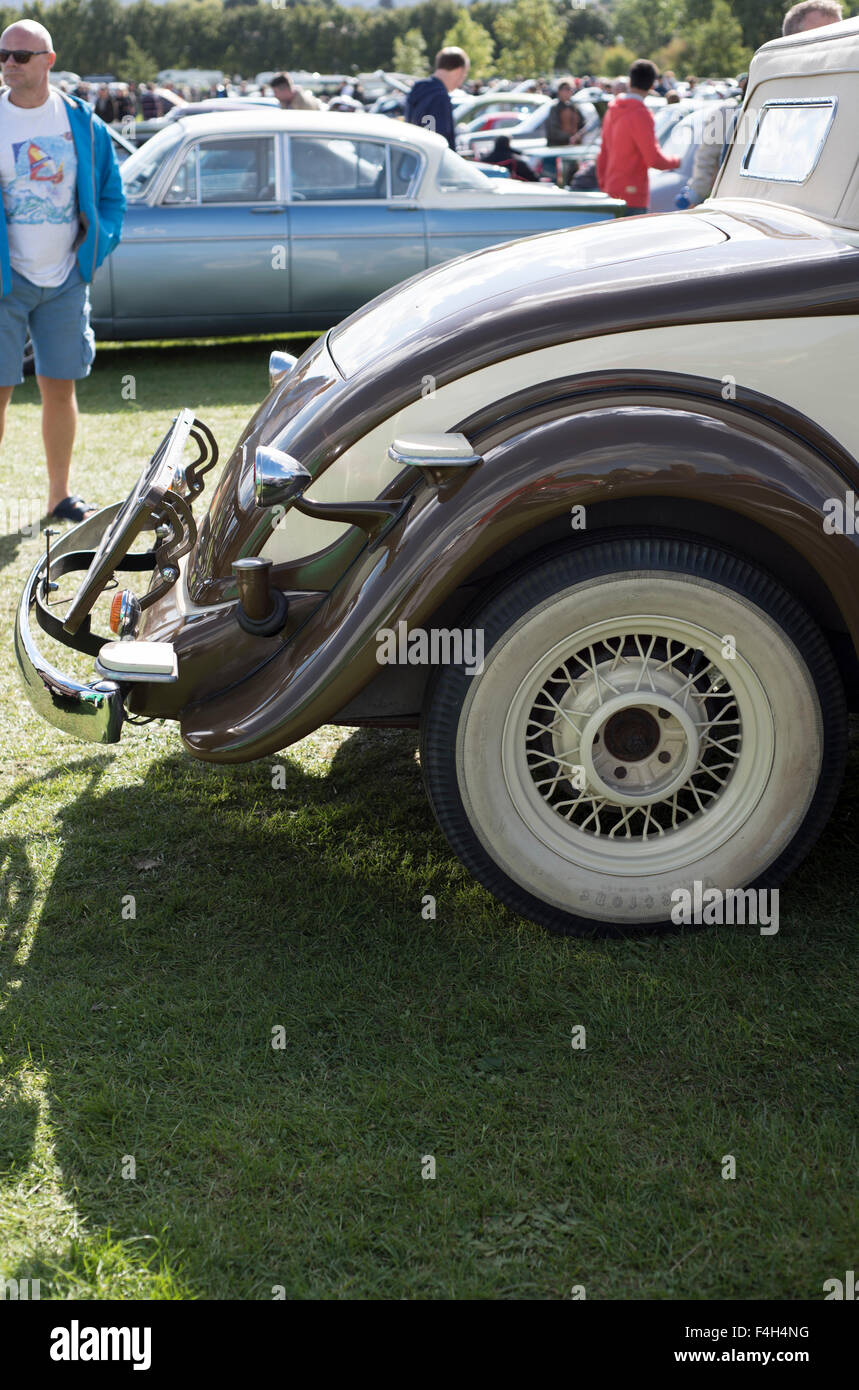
{"x": 62, "y": 198}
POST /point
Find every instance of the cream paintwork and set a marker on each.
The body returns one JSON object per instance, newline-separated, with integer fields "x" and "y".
{"x": 809, "y": 363}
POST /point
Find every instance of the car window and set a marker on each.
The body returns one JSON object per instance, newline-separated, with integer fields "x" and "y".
{"x": 788, "y": 140}
{"x": 183, "y": 185}
{"x": 323, "y": 169}
{"x": 237, "y": 171}
{"x": 140, "y": 169}
{"x": 405, "y": 165}
{"x": 225, "y": 171}
{"x": 456, "y": 175}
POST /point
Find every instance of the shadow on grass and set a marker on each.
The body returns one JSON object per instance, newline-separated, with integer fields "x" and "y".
{"x": 296, "y": 913}
{"x": 253, "y": 908}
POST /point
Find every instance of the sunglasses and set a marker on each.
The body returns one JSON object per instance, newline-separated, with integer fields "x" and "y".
{"x": 21, "y": 55}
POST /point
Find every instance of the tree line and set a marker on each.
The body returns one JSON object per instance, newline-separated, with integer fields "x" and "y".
{"x": 509, "y": 37}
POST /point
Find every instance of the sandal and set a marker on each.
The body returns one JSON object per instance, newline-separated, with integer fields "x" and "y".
{"x": 73, "y": 509}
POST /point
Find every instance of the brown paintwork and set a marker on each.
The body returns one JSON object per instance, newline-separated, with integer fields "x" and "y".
{"x": 733, "y": 269}
{"x": 533, "y": 470}
{"x": 213, "y": 652}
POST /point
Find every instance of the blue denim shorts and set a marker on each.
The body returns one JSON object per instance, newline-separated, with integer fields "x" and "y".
{"x": 57, "y": 320}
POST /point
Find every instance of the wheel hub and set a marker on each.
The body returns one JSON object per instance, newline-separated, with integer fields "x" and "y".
{"x": 636, "y": 748}
{"x": 633, "y": 737}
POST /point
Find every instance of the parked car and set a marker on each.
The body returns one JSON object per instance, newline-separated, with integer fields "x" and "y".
{"x": 520, "y": 104}
{"x": 145, "y": 130}
{"x": 604, "y": 480}
{"x": 264, "y": 219}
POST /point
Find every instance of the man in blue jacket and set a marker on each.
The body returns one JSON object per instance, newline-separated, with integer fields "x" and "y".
{"x": 428, "y": 103}
{"x": 62, "y": 215}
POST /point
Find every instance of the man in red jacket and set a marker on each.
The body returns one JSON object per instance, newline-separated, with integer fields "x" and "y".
{"x": 629, "y": 147}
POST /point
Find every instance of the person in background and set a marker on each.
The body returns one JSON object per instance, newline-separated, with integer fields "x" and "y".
{"x": 150, "y": 107}
{"x": 62, "y": 207}
{"x": 811, "y": 14}
{"x": 105, "y": 107}
{"x": 629, "y": 147}
{"x": 293, "y": 98}
{"x": 565, "y": 122}
{"x": 428, "y": 103}
{"x": 126, "y": 104}
{"x": 508, "y": 158}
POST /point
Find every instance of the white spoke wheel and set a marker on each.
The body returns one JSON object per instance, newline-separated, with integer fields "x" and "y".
{"x": 650, "y": 714}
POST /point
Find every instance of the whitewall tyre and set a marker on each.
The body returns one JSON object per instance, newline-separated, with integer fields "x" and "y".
{"x": 651, "y": 713}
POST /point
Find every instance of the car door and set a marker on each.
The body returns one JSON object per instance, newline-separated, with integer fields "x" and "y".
{"x": 213, "y": 255}
{"x": 356, "y": 226}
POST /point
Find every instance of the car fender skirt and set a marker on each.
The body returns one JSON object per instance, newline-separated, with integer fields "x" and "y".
{"x": 536, "y": 469}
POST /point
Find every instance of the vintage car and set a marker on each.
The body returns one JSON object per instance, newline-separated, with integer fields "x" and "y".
{"x": 261, "y": 220}
{"x": 581, "y": 507}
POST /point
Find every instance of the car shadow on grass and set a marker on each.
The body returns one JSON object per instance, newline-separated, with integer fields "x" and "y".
{"x": 190, "y": 915}
{"x": 251, "y": 1036}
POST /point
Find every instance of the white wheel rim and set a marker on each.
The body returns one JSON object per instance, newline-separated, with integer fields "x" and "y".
{"x": 637, "y": 686}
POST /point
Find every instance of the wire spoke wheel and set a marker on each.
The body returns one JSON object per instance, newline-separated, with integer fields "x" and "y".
{"x": 649, "y": 715}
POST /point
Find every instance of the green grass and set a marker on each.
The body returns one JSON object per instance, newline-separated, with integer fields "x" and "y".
{"x": 300, "y": 909}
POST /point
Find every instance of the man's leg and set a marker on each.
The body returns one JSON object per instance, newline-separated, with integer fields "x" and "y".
{"x": 64, "y": 349}
{"x": 5, "y": 397}
{"x": 59, "y": 422}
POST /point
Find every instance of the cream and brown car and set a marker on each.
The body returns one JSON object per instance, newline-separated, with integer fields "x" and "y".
{"x": 581, "y": 506}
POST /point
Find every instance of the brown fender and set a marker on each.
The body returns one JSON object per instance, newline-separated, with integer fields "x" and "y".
{"x": 531, "y": 473}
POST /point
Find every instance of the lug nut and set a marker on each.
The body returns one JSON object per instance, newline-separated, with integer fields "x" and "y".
{"x": 620, "y": 772}
{"x": 664, "y": 757}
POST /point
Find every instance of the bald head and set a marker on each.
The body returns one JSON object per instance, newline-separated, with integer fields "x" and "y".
{"x": 22, "y": 32}
{"x": 28, "y": 80}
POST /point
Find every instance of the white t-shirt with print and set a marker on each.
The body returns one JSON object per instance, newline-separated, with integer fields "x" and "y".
{"x": 38, "y": 177}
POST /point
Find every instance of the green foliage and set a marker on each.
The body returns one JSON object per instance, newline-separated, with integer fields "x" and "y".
{"x": 410, "y": 54}
{"x": 137, "y": 66}
{"x": 617, "y": 60}
{"x": 716, "y": 44}
{"x": 674, "y": 57}
{"x": 529, "y": 36}
{"x": 759, "y": 20}
{"x": 646, "y": 25}
{"x": 530, "y": 32}
{"x": 586, "y": 56}
{"x": 468, "y": 34}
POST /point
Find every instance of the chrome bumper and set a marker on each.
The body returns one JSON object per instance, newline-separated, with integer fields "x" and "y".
{"x": 91, "y": 711}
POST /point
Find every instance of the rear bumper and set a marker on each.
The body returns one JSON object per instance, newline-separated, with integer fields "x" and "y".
{"x": 93, "y": 711}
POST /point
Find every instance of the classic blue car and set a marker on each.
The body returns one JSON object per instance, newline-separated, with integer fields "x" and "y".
{"x": 265, "y": 219}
